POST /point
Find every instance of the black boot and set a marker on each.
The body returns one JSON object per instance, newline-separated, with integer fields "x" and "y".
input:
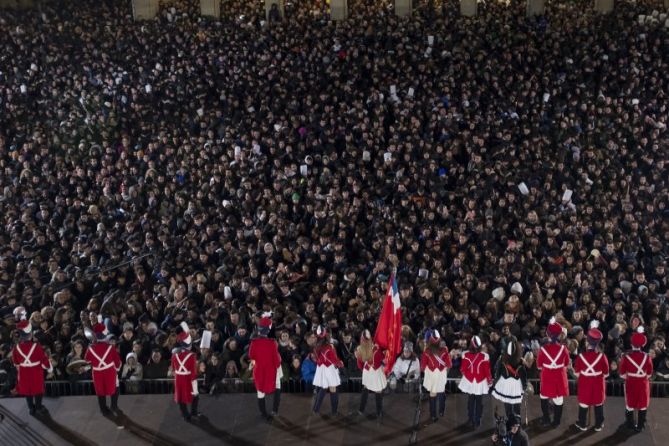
{"x": 628, "y": 424}
{"x": 262, "y": 407}
{"x": 320, "y": 396}
{"x": 334, "y": 402}
{"x": 379, "y": 405}
{"x": 558, "y": 415}
{"x": 508, "y": 410}
{"x": 581, "y": 424}
{"x": 471, "y": 410}
{"x": 31, "y": 404}
{"x": 38, "y": 404}
{"x": 193, "y": 408}
{"x": 114, "y": 403}
{"x": 363, "y": 400}
{"x": 515, "y": 408}
{"x": 276, "y": 400}
{"x": 545, "y": 416}
{"x": 433, "y": 409}
{"x": 184, "y": 411}
{"x": 599, "y": 418}
{"x": 478, "y": 410}
{"x": 442, "y": 403}
{"x": 641, "y": 422}
{"x": 102, "y": 402}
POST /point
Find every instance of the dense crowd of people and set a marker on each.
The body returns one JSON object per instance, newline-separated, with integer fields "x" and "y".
{"x": 186, "y": 169}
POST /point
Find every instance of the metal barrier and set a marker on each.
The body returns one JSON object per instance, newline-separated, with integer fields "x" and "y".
{"x": 658, "y": 389}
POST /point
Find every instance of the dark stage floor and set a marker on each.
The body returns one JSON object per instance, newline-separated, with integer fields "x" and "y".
{"x": 233, "y": 419}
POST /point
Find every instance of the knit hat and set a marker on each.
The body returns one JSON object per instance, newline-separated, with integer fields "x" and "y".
{"x": 594, "y": 336}
{"x": 511, "y": 348}
{"x": 554, "y": 328}
{"x": 476, "y": 342}
{"x": 639, "y": 338}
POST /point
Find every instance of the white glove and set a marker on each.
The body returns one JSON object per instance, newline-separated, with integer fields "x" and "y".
{"x": 194, "y": 392}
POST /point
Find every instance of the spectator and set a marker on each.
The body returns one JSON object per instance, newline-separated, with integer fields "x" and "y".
{"x": 157, "y": 367}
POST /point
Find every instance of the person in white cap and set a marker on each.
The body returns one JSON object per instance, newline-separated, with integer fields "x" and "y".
{"x": 370, "y": 357}
{"x": 476, "y": 379}
{"x": 184, "y": 367}
{"x": 435, "y": 362}
{"x": 591, "y": 367}
{"x": 30, "y": 360}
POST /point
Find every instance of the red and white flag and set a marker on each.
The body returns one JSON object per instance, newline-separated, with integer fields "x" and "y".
{"x": 389, "y": 329}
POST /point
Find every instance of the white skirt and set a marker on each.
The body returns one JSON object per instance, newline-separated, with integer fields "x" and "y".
{"x": 435, "y": 380}
{"x": 374, "y": 379}
{"x": 326, "y": 376}
{"x": 473, "y": 388}
{"x": 508, "y": 390}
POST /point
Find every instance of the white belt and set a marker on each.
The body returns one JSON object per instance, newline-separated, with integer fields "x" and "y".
{"x": 553, "y": 367}
{"x": 182, "y": 373}
{"x": 105, "y": 367}
{"x": 591, "y": 374}
{"x": 30, "y": 364}
{"x": 637, "y": 375}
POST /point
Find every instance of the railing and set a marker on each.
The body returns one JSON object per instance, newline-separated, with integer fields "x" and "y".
{"x": 658, "y": 389}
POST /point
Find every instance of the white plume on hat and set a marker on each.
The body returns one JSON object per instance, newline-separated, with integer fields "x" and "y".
{"x": 594, "y": 324}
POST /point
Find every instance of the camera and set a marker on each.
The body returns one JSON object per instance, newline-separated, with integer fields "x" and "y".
{"x": 500, "y": 425}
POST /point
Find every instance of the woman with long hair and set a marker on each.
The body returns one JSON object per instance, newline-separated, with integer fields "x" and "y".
{"x": 370, "y": 358}
{"x": 327, "y": 375}
{"x": 510, "y": 379}
{"x": 435, "y": 362}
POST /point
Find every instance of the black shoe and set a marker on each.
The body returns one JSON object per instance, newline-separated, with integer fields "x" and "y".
{"x": 638, "y": 428}
{"x": 195, "y": 415}
{"x": 105, "y": 412}
{"x": 42, "y": 410}
{"x": 32, "y": 411}
{"x": 187, "y": 418}
{"x": 434, "y": 419}
{"x": 581, "y": 428}
{"x": 545, "y": 423}
{"x": 599, "y": 427}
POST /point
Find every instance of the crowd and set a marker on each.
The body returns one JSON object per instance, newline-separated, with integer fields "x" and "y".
{"x": 186, "y": 169}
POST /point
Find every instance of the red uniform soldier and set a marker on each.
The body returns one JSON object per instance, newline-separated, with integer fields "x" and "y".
{"x": 267, "y": 373}
{"x": 184, "y": 366}
{"x": 370, "y": 357}
{"x": 553, "y": 360}
{"x": 435, "y": 362}
{"x": 476, "y": 380}
{"x": 106, "y": 363}
{"x": 636, "y": 367}
{"x": 327, "y": 375}
{"x": 591, "y": 367}
{"x": 30, "y": 360}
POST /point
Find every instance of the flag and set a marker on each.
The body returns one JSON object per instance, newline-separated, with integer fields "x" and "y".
{"x": 389, "y": 329}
